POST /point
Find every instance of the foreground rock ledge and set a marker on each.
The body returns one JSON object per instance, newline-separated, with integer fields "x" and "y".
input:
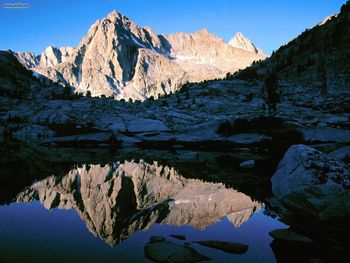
{"x": 160, "y": 250}
{"x": 312, "y": 183}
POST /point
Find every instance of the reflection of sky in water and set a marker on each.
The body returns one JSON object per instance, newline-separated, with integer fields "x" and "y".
{"x": 29, "y": 232}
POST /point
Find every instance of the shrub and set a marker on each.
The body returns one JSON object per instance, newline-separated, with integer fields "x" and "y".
{"x": 248, "y": 73}
{"x": 345, "y": 8}
{"x": 272, "y": 93}
{"x": 225, "y": 129}
{"x": 184, "y": 87}
{"x": 165, "y": 103}
{"x": 261, "y": 124}
{"x": 248, "y": 97}
{"x": 67, "y": 91}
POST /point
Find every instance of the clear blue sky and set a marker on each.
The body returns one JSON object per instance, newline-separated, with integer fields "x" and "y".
{"x": 268, "y": 23}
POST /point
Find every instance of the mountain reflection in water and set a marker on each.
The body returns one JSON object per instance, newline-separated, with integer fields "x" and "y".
{"x": 116, "y": 200}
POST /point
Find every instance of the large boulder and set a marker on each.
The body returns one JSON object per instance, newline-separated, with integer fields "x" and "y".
{"x": 311, "y": 183}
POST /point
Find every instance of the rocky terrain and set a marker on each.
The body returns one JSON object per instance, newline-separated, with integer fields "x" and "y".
{"x": 230, "y": 112}
{"x": 116, "y": 200}
{"x": 238, "y": 110}
{"x": 120, "y": 59}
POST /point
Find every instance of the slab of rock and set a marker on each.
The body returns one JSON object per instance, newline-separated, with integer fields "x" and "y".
{"x": 289, "y": 235}
{"x": 81, "y": 138}
{"x": 311, "y": 183}
{"x": 326, "y": 134}
{"x": 229, "y": 247}
{"x": 342, "y": 153}
{"x": 166, "y": 251}
{"x": 248, "y": 138}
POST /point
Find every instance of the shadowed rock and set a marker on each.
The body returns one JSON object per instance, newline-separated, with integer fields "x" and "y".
{"x": 311, "y": 183}
{"x": 166, "y": 251}
{"x": 229, "y": 247}
{"x": 289, "y": 235}
{"x": 180, "y": 237}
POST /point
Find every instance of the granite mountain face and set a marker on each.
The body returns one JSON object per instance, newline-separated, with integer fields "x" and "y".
{"x": 119, "y": 58}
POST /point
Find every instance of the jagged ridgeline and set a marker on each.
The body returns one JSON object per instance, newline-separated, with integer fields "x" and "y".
{"x": 319, "y": 56}
{"x": 120, "y": 59}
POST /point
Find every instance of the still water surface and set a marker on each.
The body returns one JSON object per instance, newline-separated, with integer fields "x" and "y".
{"x": 83, "y": 206}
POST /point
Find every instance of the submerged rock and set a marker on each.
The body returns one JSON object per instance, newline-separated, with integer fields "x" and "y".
{"x": 157, "y": 239}
{"x": 311, "y": 183}
{"x": 166, "y": 251}
{"x": 289, "y": 235}
{"x": 229, "y": 247}
{"x": 247, "y": 164}
{"x": 180, "y": 237}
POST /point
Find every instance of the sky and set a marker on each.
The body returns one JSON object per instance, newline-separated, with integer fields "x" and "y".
{"x": 267, "y": 23}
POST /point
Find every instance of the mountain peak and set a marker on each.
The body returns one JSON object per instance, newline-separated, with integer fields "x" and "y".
{"x": 50, "y": 48}
{"x": 203, "y": 31}
{"x": 240, "y": 41}
{"x": 118, "y": 57}
{"x": 115, "y": 14}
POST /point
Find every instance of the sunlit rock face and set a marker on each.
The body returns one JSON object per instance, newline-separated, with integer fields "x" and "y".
{"x": 53, "y": 56}
{"x": 117, "y": 57}
{"x": 240, "y": 41}
{"x": 116, "y": 200}
{"x": 204, "y": 50}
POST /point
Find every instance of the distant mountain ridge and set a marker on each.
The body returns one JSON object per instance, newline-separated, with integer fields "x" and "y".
{"x": 119, "y": 58}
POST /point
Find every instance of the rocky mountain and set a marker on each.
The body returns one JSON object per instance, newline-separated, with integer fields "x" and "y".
{"x": 119, "y": 58}
{"x": 117, "y": 200}
{"x": 240, "y": 41}
{"x": 306, "y": 107}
